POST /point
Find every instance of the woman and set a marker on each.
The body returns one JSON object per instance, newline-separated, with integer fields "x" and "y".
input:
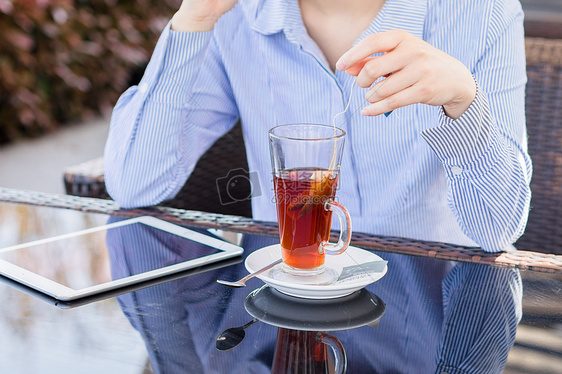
{"x": 448, "y": 164}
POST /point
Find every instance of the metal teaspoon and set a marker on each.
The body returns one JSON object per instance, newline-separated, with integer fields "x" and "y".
{"x": 231, "y": 337}
{"x": 242, "y": 282}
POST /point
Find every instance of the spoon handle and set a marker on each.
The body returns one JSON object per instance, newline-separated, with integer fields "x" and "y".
{"x": 242, "y": 281}
{"x": 249, "y": 276}
{"x": 250, "y": 323}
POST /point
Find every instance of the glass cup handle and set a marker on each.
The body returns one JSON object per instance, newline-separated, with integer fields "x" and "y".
{"x": 340, "y": 358}
{"x": 345, "y": 229}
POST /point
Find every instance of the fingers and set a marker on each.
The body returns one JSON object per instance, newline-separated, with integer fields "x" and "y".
{"x": 416, "y": 73}
{"x": 380, "y": 66}
{"x": 398, "y": 100}
{"x": 391, "y": 93}
{"x": 355, "y": 69}
{"x": 368, "y": 68}
{"x": 360, "y": 62}
{"x": 372, "y": 44}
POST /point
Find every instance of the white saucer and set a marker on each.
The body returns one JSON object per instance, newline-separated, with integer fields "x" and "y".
{"x": 353, "y": 256}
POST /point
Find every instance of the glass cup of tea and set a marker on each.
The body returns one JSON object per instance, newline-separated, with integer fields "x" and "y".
{"x": 306, "y": 165}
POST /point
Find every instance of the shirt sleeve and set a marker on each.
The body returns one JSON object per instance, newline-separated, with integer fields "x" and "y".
{"x": 482, "y": 307}
{"x": 484, "y": 152}
{"x": 160, "y": 128}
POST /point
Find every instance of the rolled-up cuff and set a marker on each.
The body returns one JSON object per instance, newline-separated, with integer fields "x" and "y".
{"x": 469, "y": 145}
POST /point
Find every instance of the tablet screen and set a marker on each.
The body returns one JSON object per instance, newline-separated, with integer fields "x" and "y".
{"x": 118, "y": 250}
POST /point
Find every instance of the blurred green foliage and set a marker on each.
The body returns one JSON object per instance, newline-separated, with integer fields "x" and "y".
{"x": 67, "y": 60}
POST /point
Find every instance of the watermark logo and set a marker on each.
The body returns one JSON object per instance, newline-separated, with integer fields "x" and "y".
{"x": 238, "y": 185}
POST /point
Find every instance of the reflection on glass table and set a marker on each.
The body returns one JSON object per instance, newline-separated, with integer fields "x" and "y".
{"x": 302, "y": 339}
{"x": 180, "y": 319}
{"x": 468, "y": 322}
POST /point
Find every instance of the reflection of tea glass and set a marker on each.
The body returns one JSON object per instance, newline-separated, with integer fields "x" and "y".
{"x": 306, "y": 164}
{"x": 298, "y": 352}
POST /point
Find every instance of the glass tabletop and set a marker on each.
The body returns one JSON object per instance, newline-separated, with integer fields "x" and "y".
{"x": 423, "y": 313}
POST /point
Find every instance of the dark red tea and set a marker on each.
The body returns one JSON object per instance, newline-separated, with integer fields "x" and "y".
{"x": 299, "y": 352}
{"x": 304, "y": 223}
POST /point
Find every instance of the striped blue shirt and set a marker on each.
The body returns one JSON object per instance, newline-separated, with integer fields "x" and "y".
{"x": 416, "y": 173}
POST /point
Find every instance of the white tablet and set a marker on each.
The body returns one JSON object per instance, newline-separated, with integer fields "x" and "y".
{"x": 122, "y": 253}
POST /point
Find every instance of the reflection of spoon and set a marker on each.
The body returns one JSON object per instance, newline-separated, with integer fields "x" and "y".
{"x": 242, "y": 281}
{"x": 231, "y": 337}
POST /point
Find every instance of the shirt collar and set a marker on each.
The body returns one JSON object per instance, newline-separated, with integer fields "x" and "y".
{"x": 274, "y": 16}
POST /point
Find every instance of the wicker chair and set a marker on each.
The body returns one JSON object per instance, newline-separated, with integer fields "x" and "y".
{"x": 544, "y": 122}
{"x": 544, "y": 128}
{"x": 220, "y": 182}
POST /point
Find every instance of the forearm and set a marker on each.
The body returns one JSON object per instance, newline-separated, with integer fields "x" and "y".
{"x": 488, "y": 177}
{"x": 143, "y": 154}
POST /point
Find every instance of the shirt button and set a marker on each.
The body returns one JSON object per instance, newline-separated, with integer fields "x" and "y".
{"x": 143, "y": 87}
{"x": 456, "y": 170}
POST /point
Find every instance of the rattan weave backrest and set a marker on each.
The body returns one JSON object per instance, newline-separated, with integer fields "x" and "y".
{"x": 544, "y": 128}
{"x": 219, "y": 183}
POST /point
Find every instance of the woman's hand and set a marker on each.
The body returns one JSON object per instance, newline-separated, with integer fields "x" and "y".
{"x": 415, "y": 72}
{"x": 200, "y": 15}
